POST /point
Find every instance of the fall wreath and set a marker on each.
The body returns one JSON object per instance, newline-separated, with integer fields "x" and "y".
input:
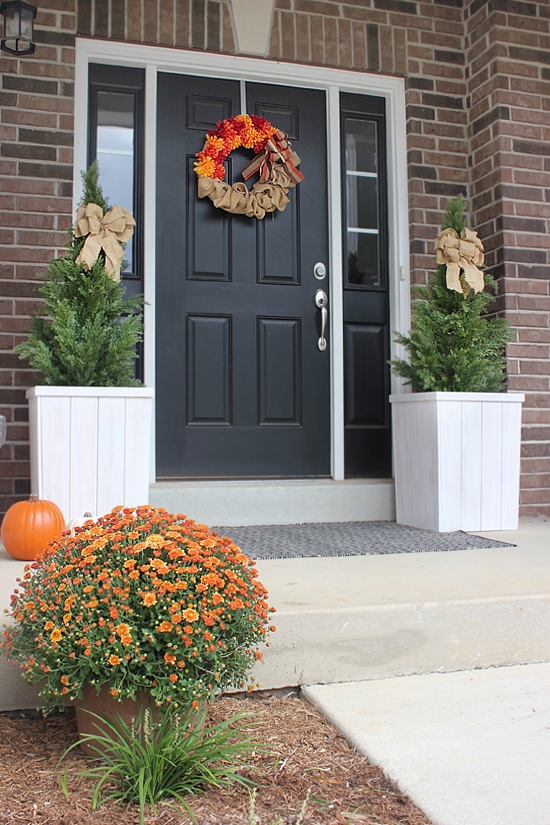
{"x": 275, "y": 160}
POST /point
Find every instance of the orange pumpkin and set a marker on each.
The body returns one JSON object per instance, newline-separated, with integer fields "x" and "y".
{"x": 29, "y": 526}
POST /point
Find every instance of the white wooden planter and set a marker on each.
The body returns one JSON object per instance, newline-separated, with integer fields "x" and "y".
{"x": 90, "y": 447}
{"x": 456, "y": 460}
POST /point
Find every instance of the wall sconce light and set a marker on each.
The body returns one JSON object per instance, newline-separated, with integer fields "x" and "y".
{"x": 18, "y": 27}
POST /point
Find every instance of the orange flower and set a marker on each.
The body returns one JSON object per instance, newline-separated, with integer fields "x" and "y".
{"x": 122, "y": 630}
{"x": 173, "y": 677}
{"x": 164, "y": 627}
{"x": 155, "y": 540}
{"x": 114, "y": 660}
{"x": 190, "y": 615}
{"x": 55, "y": 635}
{"x": 169, "y": 658}
{"x": 64, "y": 680}
{"x": 148, "y": 599}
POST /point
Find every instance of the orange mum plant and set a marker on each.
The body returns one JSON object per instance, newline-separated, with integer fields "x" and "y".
{"x": 141, "y": 600}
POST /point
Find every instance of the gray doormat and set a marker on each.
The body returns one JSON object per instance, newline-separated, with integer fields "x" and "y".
{"x": 352, "y": 538}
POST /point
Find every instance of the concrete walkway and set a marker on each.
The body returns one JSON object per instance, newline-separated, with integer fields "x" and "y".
{"x": 470, "y": 747}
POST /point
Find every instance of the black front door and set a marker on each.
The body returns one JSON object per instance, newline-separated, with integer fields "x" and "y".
{"x": 243, "y": 389}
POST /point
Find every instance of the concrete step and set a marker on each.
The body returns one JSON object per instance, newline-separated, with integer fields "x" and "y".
{"x": 295, "y": 501}
{"x": 373, "y": 617}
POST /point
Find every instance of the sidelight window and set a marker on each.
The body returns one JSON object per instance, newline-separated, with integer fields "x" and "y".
{"x": 364, "y": 265}
{"x": 115, "y": 140}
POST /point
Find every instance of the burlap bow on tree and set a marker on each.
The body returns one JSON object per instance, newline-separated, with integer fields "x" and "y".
{"x": 464, "y": 253}
{"x": 105, "y": 232}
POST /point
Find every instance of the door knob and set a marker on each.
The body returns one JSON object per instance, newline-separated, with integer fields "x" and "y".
{"x": 320, "y": 299}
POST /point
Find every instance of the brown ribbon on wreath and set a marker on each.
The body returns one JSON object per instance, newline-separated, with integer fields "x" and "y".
{"x": 464, "y": 253}
{"x": 105, "y": 232}
{"x": 278, "y": 161}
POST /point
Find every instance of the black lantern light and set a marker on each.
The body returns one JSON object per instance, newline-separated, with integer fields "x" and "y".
{"x": 18, "y": 27}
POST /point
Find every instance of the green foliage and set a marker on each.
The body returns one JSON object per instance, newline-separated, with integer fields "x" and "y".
{"x": 175, "y": 757}
{"x": 452, "y": 346}
{"x": 88, "y": 333}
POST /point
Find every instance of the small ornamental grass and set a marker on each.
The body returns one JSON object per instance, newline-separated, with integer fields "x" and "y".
{"x": 141, "y": 600}
{"x": 151, "y": 761}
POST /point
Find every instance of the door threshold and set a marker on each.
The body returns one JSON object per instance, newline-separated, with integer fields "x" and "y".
{"x": 247, "y": 502}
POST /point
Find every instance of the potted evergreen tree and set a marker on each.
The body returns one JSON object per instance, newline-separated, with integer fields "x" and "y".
{"x": 457, "y": 435}
{"x": 90, "y": 420}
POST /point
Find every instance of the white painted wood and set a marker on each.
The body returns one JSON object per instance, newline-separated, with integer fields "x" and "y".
{"x": 457, "y": 458}
{"x": 470, "y": 480}
{"x": 111, "y": 454}
{"x": 511, "y": 459}
{"x": 90, "y": 446}
{"x": 335, "y": 279}
{"x": 83, "y": 440}
{"x": 491, "y": 466}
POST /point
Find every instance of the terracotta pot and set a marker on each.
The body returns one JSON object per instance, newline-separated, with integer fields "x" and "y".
{"x": 107, "y": 706}
{"x": 104, "y": 704}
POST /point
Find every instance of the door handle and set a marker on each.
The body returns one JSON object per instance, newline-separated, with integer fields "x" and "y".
{"x": 320, "y": 299}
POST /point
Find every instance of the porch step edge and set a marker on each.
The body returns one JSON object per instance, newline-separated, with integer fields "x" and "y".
{"x": 290, "y": 501}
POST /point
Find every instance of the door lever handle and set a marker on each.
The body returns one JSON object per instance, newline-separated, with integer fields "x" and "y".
{"x": 320, "y": 299}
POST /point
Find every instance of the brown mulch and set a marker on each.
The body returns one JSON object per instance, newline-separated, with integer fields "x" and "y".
{"x": 309, "y": 756}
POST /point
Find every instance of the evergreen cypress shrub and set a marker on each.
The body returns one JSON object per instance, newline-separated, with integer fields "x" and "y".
{"x": 88, "y": 331}
{"x": 452, "y": 347}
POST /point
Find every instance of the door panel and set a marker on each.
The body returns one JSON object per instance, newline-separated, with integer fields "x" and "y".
{"x": 242, "y": 388}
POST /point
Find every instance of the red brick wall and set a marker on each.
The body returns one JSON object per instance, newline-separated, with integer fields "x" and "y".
{"x": 508, "y": 55}
{"x": 478, "y": 108}
{"x": 36, "y": 169}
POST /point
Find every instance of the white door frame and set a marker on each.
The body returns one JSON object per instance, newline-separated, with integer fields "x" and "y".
{"x": 154, "y": 59}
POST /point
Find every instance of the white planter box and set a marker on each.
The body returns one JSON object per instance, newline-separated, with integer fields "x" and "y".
{"x": 456, "y": 460}
{"x": 90, "y": 447}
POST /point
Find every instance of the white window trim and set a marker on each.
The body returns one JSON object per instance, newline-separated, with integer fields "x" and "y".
{"x": 154, "y": 59}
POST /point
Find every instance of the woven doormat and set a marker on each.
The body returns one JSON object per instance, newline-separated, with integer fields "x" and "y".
{"x": 353, "y": 538}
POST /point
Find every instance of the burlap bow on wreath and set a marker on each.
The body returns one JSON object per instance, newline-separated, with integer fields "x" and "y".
{"x": 461, "y": 253}
{"x": 104, "y": 232}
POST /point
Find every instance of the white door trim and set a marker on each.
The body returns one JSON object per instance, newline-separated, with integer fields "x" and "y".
{"x": 154, "y": 59}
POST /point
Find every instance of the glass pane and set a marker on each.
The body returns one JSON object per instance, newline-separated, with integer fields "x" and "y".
{"x": 115, "y": 153}
{"x": 363, "y": 259}
{"x": 361, "y": 155}
{"x": 362, "y": 202}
